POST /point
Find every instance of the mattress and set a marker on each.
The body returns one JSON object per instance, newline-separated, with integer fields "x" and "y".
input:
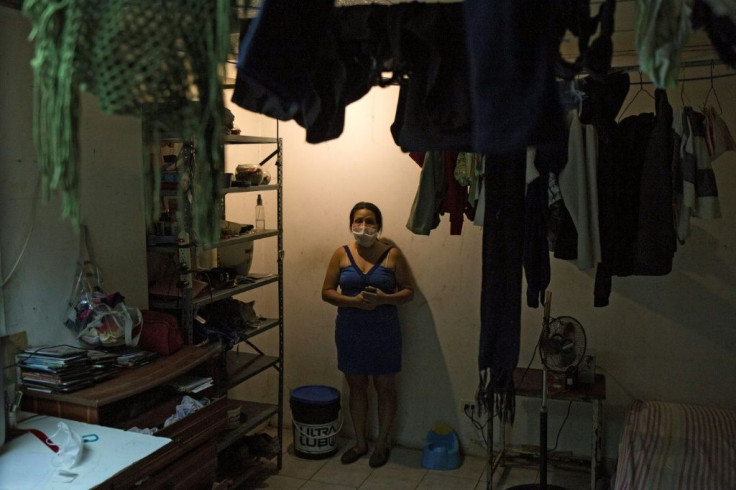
{"x": 672, "y": 446}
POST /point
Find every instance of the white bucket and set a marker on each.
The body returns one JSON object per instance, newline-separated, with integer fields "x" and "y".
{"x": 316, "y": 440}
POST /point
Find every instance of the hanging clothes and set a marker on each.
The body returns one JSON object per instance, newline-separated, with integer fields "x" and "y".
{"x": 469, "y": 173}
{"x": 655, "y": 244}
{"x": 307, "y": 61}
{"x": 438, "y": 193}
{"x": 456, "y": 201}
{"x": 718, "y": 19}
{"x": 578, "y": 183}
{"x": 661, "y": 31}
{"x": 603, "y": 100}
{"x": 540, "y": 165}
{"x": 433, "y": 111}
{"x": 696, "y": 192}
{"x": 635, "y": 200}
{"x": 618, "y": 193}
{"x": 717, "y": 135}
{"x": 425, "y": 210}
{"x": 500, "y": 312}
{"x": 574, "y": 16}
{"x": 512, "y": 52}
{"x": 278, "y": 57}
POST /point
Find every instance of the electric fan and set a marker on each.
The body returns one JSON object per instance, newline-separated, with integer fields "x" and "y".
{"x": 562, "y": 344}
{"x": 561, "y": 347}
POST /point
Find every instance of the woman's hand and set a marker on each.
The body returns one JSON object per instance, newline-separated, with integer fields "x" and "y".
{"x": 369, "y": 298}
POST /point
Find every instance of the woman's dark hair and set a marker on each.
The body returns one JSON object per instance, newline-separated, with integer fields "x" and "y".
{"x": 370, "y": 207}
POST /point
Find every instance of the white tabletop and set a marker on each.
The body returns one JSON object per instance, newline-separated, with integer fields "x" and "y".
{"x": 28, "y": 463}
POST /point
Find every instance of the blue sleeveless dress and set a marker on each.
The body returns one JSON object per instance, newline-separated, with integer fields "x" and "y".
{"x": 368, "y": 342}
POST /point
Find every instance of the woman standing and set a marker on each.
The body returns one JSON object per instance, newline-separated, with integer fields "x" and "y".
{"x": 373, "y": 278}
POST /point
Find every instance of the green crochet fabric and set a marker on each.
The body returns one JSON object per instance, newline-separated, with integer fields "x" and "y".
{"x": 162, "y": 60}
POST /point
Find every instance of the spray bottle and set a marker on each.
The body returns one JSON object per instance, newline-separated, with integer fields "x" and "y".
{"x": 260, "y": 215}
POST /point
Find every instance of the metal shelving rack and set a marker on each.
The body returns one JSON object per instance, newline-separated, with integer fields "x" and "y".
{"x": 236, "y": 367}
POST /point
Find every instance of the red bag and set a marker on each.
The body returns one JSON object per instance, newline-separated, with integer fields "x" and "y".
{"x": 160, "y": 333}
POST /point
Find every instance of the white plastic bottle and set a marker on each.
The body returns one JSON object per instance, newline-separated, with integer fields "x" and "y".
{"x": 260, "y": 215}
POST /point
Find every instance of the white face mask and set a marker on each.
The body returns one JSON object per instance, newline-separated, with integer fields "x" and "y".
{"x": 70, "y": 447}
{"x": 365, "y": 236}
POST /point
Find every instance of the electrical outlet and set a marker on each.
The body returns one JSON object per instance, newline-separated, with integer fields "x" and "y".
{"x": 467, "y": 406}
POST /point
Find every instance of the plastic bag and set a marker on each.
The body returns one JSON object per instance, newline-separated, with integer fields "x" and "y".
{"x": 108, "y": 326}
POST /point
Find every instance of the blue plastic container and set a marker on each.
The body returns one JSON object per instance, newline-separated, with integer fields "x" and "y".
{"x": 441, "y": 449}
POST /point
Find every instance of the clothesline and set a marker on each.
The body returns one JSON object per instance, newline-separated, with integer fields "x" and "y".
{"x": 683, "y": 64}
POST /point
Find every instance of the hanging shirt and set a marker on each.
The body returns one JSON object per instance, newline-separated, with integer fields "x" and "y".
{"x": 425, "y": 211}
{"x": 696, "y": 192}
{"x": 655, "y": 243}
{"x": 578, "y": 183}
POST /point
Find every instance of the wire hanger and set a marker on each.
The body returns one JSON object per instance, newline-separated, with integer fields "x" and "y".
{"x": 641, "y": 89}
{"x": 713, "y": 90}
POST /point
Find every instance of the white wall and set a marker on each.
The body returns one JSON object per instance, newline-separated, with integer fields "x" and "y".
{"x": 667, "y": 338}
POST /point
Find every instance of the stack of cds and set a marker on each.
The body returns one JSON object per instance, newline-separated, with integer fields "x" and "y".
{"x": 62, "y": 369}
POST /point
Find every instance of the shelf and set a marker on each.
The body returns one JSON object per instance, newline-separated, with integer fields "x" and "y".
{"x": 250, "y": 188}
{"x": 244, "y": 365}
{"x": 233, "y": 189}
{"x": 256, "y": 412}
{"x": 170, "y": 245}
{"x": 232, "y": 367}
{"x": 227, "y": 190}
{"x": 242, "y": 479}
{"x": 264, "y": 325}
{"x": 174, "y": 303}
{"x": 243, "y": 238}
{"x": 206, "y": 297}
{"x": 229, "y": 139}
{"x": 240, "y": 139}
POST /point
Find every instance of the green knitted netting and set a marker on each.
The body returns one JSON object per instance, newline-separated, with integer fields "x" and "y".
{"x": 162, "y": 60}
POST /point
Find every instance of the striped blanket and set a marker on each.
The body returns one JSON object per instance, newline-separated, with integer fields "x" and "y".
{"x": 672, "y": 446}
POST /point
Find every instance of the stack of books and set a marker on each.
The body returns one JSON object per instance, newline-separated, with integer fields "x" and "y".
{"x": 63, "y": 369}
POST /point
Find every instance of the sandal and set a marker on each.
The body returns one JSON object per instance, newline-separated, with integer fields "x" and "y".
{"x": 352, "y": 455}
{"x": 379, "y": 459}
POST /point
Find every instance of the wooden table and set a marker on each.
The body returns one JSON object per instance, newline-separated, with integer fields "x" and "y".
{"x": 528, "y": 383}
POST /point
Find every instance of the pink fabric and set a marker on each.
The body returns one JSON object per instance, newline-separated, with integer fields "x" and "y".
{"x": 717, "y": 136}
{"x": 670, "y": 446}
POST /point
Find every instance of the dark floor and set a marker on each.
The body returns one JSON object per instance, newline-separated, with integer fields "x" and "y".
{"x": 404, "y": 471}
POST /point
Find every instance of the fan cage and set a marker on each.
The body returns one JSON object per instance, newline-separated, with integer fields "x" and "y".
{"x": 562, "y": 343}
